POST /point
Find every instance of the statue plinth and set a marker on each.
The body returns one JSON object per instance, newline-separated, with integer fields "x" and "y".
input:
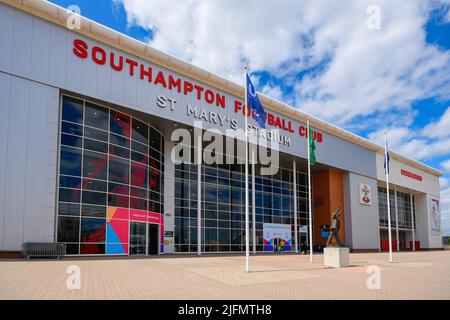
{"x": 336, "y": 257}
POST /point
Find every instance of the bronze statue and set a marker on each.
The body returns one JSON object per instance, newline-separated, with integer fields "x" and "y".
{"x": 334, "y": 228}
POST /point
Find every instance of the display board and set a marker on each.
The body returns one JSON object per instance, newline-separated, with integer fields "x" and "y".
{"x": 275, "y": 233}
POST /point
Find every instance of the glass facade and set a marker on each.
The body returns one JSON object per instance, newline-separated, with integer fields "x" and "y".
{"x": 223, "y": 205}
{"x": 403, "y": 208}
{"x": 110, "y": 166}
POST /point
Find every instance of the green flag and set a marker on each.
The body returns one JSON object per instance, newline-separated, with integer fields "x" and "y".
{"x": 312, "y": 148}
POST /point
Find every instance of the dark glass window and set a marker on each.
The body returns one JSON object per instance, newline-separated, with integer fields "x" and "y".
{"x": 71, "y": 128}
{"x": 138, "y": 193}
{"x": 142, "y": 148}
{"x": 96, "y": 134}
{"x": 155, "y": 139}
{"x": 70, "y": 182}
{"x": 72, "y": 248}
{"x": 140, "y": 131}
{"x": 138, "y": 203}
{"x": 69, "y": 209}
{"x": 72, "y": 141}
{"x": 118, "y": 151}
{"x": 96, "y": 116}
{"x": 93, "y": 230}
{"x": 68, "y": 229}
{"x": 119, "y": 140}
{"x": 139, "y": 157}
{"x": 120, "y": 123}
{"x": 118, "y": 170}
{"x": 95, "y": 145}
{"x": 94, "y": 185}
{"x": 93, "y": 211}
{"x": 154, "y": 179}
{"x": 96, "y": 248}
{"x": 69, "y": 195}
{"x": 70, "y": 162}
{"x": 98, "y": 198}
{"x": 115, "y": 200}
{"x": 94, "y": 165}
{"x": 118, "y": 188}
{"x": 138, "y": 175}
{"x": 72, "y": 110}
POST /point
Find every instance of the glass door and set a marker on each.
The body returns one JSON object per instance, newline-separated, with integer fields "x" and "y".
{"x": 153, "y": 239}
{"x": 137, "y": 238}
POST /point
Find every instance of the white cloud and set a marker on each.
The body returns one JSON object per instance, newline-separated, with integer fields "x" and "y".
{"x": 440, "y": 128}
{"x": 443, "y": 182}
{"x": 408, "y": 142}
{"x": 445, "y": 210}
{"x": 446, "y": 165}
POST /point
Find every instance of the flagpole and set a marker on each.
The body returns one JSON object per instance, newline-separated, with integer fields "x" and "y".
{"x": 386, "y": 170}
{"x": 309, "y": 194}
{"x": 247, "y": 242}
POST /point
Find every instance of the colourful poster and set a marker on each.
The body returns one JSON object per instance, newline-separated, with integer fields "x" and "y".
{"x": 117, "y": 227}
{"x": 435, "y": 217}
{"x": 117, "y": 231}
{"x": 277, "y": 236}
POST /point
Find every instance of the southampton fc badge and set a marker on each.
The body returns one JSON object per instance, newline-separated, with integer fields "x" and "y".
{"x": 365, "y": 194}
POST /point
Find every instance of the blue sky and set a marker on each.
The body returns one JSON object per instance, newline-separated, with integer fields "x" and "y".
{"x": 321, "y": 57}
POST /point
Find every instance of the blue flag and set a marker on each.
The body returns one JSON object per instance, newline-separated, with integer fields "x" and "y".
{"x": 254, "y": 104}
{"x": 387, "y": 159}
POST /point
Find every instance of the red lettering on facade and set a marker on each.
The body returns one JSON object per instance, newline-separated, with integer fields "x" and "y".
{"x": 132, "y": 64}
{"x": 237, "y": 106}
{"x": 319, "y": 137}
{"x": 160, "y": 79}
{"x": 174, "y": 83}
{"x": 97, "y": 50}
{"x": 220, "y": 100}
{"x": 199, "y": 91}
{"x": 80, "y": 48}
{"x": 209, "y": 96}
{"x": 411, "y": 175}
{"x": 145, "y": 73}
{"x": 113, "y": 65}
{"x": 188, "y": 87}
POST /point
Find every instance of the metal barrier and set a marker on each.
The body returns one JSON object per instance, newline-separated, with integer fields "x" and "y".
{"x": 35, "y": 249}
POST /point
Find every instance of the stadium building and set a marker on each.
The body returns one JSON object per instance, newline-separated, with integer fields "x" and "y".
{"x": 88, "y": 116}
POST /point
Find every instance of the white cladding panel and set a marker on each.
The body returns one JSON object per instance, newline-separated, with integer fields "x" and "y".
{"x": 5, "y": 85}
{"x": 424, "y": 233}
{"x": 6, "y": 36}
{"x": 429, "y": 183}
{"x": 361, "y": 221}
{"x": 28, "y": 166}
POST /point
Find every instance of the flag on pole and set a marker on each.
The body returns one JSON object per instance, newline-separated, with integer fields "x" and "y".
{"x": 248, "y": 87}
{"x": 387, "y": 159}
{"x": 254, "y": 103}
{"x": 312, "y": 148}
{"x": 386, "y": 171}
{"x": 311, "y": 160}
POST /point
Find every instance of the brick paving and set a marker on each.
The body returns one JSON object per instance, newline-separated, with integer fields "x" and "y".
{"x": 420, "y": 275}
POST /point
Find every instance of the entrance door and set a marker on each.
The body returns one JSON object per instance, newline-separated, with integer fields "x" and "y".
{"x": 137, "y": 238}
{"x": 153, "y": 239}
{"x": 140, "y": 238}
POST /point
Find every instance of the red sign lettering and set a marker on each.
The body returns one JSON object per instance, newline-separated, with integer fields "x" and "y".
{"x": 411, "y": 175}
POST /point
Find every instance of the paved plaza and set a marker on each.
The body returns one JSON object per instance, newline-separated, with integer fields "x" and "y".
{"x": 421, "y": 275}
